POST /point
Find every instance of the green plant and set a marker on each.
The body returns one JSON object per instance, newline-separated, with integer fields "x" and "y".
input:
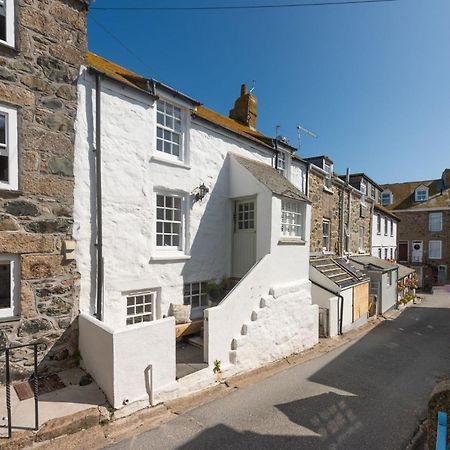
{"x": 215, "y": 290}
{"x": 217, "y": 368}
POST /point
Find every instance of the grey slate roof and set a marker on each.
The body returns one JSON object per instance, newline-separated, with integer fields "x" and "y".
{"x": 338, "y": 270}
{"x": 268, "y": 176}
{"x": 404, "y": 271}
{"x": 378, "y": 263}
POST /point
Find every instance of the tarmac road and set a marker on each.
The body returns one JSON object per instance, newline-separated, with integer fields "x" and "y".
{"x": 367, "y": 394}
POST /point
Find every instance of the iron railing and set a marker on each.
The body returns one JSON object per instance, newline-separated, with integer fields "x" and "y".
{"x": 7, "y": 351}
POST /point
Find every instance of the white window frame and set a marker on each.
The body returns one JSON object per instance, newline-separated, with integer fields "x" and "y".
{"x": 182, "y": 222}
{"x": 13, "y": 310}
{"x": 10, "y": 149}
{"x": 373, "y": 192}
{"x": 10, "y": 24}
{"x": 363, "y": 186}
{"x": 361, "y": 238}
{"x": 389, "y": 201}
{"x": 281, "y": 160}
{"x": 183, "y": 134}
{"x": 432, "y": 223}
{"x": 438, "y": 255}
{"x": 291, "y": 211}
{"x": 378, "y": 223}
{"x": 418, "y": 194}
{"x": 132, "y": 302}
{"x": 202, "y": 294}
{"x": 326, "y": 247}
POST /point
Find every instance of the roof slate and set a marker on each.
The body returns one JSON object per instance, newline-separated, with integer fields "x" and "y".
{"x": 403, "y": 195}
{"x": 404, "y": 271}
{"x": 386, "y": 211}
{"x": 268, "y": 176}
{"x": 379, "y": 263}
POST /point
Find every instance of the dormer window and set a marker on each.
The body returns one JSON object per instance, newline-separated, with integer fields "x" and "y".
{"x": 7, "y": 22}
{"x": 363, "y": 187}
{"x": 281, "y": 163}
{"x": 386, "y": 198}
{"x": 169, "y": 129}
{"x": 421, "y": 194}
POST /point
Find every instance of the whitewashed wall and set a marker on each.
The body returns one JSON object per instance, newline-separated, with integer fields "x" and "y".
{"x": 129, "y": 364}
{"x": 298, "y": 175}
{"x": 325, "y": 299}
{"x": 131, "y": 175}
{"x": 388, "y": 293}
{"x": 381, "y": 240}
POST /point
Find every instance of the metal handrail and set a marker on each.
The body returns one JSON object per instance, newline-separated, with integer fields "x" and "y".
{"x": 7, "y": 351}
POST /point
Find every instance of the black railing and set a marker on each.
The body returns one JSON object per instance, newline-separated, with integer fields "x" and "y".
{"x": 7, "y": 351}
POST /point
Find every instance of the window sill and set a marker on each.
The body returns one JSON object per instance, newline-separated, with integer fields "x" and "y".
{"x": 330, "y": 191}
{"x": 9, "y": 319}
{"x": 5, "y": 44}
{"x": 169, "y": 162}
{"x": 170, "y": 257}
{"x": 291, "y": 241}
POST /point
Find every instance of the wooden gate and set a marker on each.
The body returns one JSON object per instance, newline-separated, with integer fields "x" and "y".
{"x": 360, "y": 301}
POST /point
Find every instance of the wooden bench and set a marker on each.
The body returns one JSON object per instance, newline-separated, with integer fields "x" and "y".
{"x": 185, "y": 329}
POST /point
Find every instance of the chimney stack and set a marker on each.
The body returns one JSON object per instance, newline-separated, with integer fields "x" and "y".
{"x": 446, "y": 178}
{"x": 245, "y": 107}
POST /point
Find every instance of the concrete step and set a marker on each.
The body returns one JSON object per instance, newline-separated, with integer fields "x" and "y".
{"x": 233, "y": 357}
{"x": 238, "y": 342}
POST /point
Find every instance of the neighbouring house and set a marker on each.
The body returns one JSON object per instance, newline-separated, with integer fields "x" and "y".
{"x": 424, "y": 229}
{"x": 384, "y": 233}
{"x": 42, "y": 46}
{"x": 342, "y": 293}
{"x": 185, "y": 221}
{"x": 340, "y": 226}
{"x": 383, "y": 276}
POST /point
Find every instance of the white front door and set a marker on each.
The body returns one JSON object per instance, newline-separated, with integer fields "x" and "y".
{"x": 417, "y": 251}
{"x": 244, "y": 238}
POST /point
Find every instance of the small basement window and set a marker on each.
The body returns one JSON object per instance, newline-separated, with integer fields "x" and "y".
{"x": 196, "y": 294}
{"x": 169, "y": 129}
{"x": 9, "y": 285}
{"x": 141, "y": 307}
{"x": 292, "y": 218}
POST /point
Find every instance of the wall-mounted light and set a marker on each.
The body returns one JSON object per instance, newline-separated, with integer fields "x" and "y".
{"x": 200, "y": 192}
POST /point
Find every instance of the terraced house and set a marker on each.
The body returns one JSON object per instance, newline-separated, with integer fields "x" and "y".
{"x": 42, "y": 45}
{"x": 424, "y": 229}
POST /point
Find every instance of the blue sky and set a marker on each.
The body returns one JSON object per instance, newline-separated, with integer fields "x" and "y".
{"x": 372, "y": 80}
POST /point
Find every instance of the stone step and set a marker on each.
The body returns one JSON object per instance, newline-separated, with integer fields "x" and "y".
{"x": 238, "y": 342}
{"x": 233, "y": 357}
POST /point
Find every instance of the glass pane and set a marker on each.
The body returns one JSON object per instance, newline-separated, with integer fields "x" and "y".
{"x": 176, "y": 241}
{"x": 2, "y": 129}
{"x": 139, "y": 300}
{"x": 160, "y": 120}
{"x": 175, "y": 149}
{"x": 159, "y": 145}
{"x": 169, "y": 214}
{"x": 4, "y": 172}
{"x": 167, "y": 228}
{"x": 5, "y": 285}
{"x": 139, "y": 309}
{"x": 167, "y": 241}
{"x": 130, "y": 301}
{"x": 129, "y": 321}
{"x": 160, "y": 214}
{"x": 177, "y": 112}
{"x": 160, "y": 106}
{"x": 159, "y": 240}
{"x": 195, "y": 301}
{"x": 169, "y": 122}
{"x": 177, "y": 126}
{"x": 160, "y": 200}
{"x": 176, "y": 228}
{"x": 169, "y": 202}
{"x": 167, "y": 147}
{"x": 195, "y": 288}
{"x": 159, "y": 227}
{"x": 177, "y": 215}
{"x": 177, "y": 202}
{"x": 147, "y": 318}
{"x": 130, "y": 311}
{"x": 148, "y": 308}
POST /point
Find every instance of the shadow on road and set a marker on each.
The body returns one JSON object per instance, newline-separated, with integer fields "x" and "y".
{"x": 388, "y": 373}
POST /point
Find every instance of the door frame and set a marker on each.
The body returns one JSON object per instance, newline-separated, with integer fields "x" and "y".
{"x": 407, "y": 251}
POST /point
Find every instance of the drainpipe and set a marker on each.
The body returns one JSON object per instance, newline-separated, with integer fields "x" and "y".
{"x": 308, "y": 168}
{"x": 98, "y": 167}
{"x": 341, "y": 311}
{"x": 341, "y": 221}
{"x": 349, "y": 210}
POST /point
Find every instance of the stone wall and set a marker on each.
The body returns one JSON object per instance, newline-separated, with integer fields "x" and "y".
{"x": 326, "y": 205}
{"x": 39, "y": 78}
{"x": 413, "y": 226}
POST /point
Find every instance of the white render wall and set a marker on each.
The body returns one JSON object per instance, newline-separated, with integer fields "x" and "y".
{"x": 382, "y": 241}
{"x": 325, "y": 299}
{"x": 130, "y": 364}
{"x": 131, "y": 178}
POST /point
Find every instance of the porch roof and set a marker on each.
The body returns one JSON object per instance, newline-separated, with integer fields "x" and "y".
{"x": 338, "y": 270}
{"x": 404, "y": 271}
{"x": 270, "y": 177}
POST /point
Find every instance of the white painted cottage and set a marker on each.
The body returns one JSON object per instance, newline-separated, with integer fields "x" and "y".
{"x": 171, "y": 198}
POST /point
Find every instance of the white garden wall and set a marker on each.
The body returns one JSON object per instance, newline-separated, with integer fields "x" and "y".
{"x": 325, "y": 299}
{"x": 129, "y": 364}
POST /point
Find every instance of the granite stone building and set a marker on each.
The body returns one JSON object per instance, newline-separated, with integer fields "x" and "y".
{"x": 424, "y": 228}
{"x": 42, "y": 45}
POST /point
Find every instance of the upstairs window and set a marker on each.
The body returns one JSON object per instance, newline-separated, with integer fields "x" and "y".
{"x": 435, "y": 221}
{"x": 328, "y": 177}
{"x": 386, "y": 198}
{"x": 7, "y": 22}
{"x": 169, "y": 222}
{"x": 8, "y": 149}
{"x": 392, "y": 227}
{"x": 386, "y": 225}
{"x": 363, "y": 187}
{"x": 169, "y": 129}
{"x": 372, "y": 192}
{"x": 421, "y": 194}
{"x": 326, "y": 228}
{"x": 378, "y": 223}
{"x": 281, "y": 163}
{"x": 292, "y": 219}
